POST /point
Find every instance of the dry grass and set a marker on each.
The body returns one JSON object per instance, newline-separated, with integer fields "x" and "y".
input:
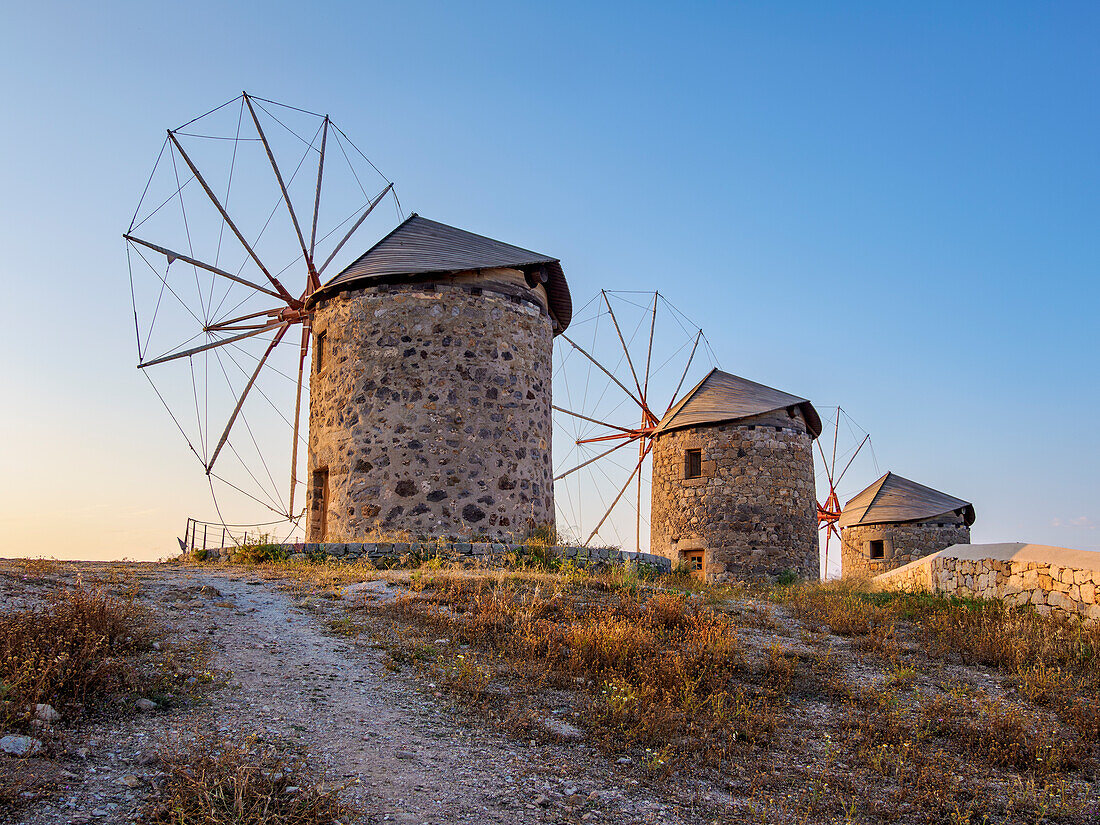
{"x": 656, "y": 670}
{"x": 212, "y": 781}
{"x": 73, "y": 649}
{"x": 738, "y": 687}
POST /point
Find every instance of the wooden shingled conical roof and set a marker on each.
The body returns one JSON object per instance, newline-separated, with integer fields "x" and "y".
{"x": 419, "y": 246}
{"x": 894, "y": 499}
{"x": 721, "y": 396}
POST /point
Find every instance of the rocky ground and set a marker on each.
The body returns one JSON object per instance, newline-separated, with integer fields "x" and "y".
{"x": 406, "y": 753}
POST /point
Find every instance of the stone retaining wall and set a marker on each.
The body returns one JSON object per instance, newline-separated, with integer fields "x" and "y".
{"x": 1049, "y": 588}
{"x": 495, "y": 553}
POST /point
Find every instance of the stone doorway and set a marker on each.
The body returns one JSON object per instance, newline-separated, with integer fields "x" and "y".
{"x": 318, "y": 515}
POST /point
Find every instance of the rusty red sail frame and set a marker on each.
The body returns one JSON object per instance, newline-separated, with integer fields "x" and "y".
{"x": 828, "y": 511}
{"x": 644, "y": 433}
{"x": 280, "y": 318}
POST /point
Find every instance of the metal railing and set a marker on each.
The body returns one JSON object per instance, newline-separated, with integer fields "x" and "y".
{"x": 211, "y": 535}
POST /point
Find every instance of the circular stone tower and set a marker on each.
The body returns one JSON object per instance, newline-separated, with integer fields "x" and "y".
{"x": 733, "y": 481}
{"x": 896, "y": 521}
{"x": 429, "y": 404}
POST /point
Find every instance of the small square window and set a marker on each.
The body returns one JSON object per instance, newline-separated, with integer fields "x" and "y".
{"x": 693, "y": 463}
{"x": 877, "y": 549}
{"x": 319, "y": 348}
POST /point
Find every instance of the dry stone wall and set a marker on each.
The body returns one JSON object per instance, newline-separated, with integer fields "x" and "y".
{"x": 430, "y": 413}
{"x": 753, "y": 510}
{"x": 1049, "y": 588}
{"x": 482, "y": 554}
{"x": 902, "y": 543}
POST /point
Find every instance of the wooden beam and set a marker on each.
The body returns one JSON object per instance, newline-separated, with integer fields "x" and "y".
{"x": 172, "y": 256}
{"x": 297, "y": 416}
{"x": 282, "y": 186}
{"x": 240, "y": 401}
{"x": 286, "y": 296}
{"x": 687, "y": 366}
{"x": 363, "y": 217}
{"x": 637, "y": 467}
{"x": 315, "y": 282}
{"x": 602, "y": 368}
{"x": 626, "y": 352}
{"x": 212, "y": 345}
{"x": 596, "y": 458}
{"x": 593, "y": 420}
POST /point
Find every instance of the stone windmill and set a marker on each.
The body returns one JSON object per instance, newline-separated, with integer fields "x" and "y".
{"x": 733, "y": 491}
{"x": 429, "y": 381}
{"x": 895, "y": 521}
{"x": 430, "y": 403}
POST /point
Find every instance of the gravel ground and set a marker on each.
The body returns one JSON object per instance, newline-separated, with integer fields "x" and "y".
{"x": 407, "y": 754}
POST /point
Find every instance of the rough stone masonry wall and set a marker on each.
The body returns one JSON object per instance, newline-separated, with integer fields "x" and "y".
{"x": 431, "y": 413}
{"x": 904, "y": 542}
{"x": 1049, "y": 588}
{"x": 754, "y": 509}
{"x": 480, "y": 554}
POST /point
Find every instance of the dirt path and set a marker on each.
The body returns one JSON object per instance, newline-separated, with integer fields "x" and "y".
{"x": 408, "y": 754}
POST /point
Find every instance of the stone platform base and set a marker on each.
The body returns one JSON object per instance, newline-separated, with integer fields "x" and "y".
{"x": 489, "y": 554}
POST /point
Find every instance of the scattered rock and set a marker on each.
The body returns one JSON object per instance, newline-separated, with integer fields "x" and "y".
{"x": 404, "y": 754}
{"x": 146, "y": 705}
{"x": 131, "y": 781}
{"x": 20, "y": 745}
{"x": 149, "y": 757}
{"x": 46, "y": 713}
{"x": 542, "y": 800}
{"x": 563, "y": 730}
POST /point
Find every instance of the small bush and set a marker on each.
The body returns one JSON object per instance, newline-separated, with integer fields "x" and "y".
{"x": 786, "y": 578}
{"x": 257, "y": 553}
{"x": 72, "y": 649}
{"x": 240, "y": 782}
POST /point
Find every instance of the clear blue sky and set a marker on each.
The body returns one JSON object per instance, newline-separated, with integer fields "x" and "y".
{"x": 893, "y": 206}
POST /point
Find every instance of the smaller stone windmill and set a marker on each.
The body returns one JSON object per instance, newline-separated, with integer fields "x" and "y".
{"x": 733, "y": 481}
{"x": 895, "y": 521}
